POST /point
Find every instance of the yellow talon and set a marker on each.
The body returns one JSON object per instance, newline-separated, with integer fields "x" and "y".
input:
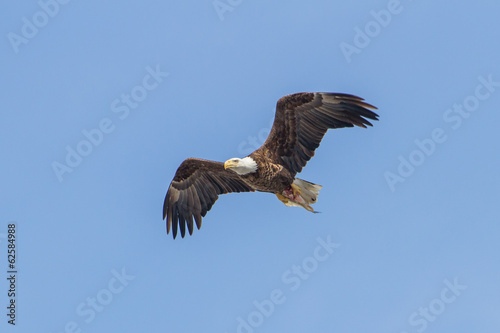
{"x": 282, "y": 198}
{"x": 296, "y": 190}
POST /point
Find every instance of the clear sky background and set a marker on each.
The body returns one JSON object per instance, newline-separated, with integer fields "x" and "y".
{"x": 410, "y": 205}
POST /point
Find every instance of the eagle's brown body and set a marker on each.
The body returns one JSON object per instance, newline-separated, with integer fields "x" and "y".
{"x": 300, "y": 123}
{"x": 269, "y": 177}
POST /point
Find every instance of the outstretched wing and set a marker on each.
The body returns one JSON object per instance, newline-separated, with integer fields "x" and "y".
{"x": 196, "y": 186}
{"x": 302, "y": 120}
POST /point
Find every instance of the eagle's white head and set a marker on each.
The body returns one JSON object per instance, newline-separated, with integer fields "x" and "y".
{"x": 242, "y": 166}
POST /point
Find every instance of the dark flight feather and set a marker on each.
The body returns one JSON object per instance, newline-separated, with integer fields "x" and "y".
{"x": 302, "y": 120}
{"x": 196, "y": 186}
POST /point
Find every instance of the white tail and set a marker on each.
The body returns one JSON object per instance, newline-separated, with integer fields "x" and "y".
{"x": 309, "y": 191}
{"x": 304, "y": 194}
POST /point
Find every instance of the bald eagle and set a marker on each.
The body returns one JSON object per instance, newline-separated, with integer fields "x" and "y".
{"x": 300, "y": 122}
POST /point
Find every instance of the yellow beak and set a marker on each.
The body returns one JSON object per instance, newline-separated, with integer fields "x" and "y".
{"x": 229, "y": 164}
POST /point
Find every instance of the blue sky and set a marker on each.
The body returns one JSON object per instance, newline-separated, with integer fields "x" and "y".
{"x": 103, "y": 100}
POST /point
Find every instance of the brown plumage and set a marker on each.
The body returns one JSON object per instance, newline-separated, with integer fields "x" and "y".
{"x": 300, "y": 123}
{"x": 194, "y": 189}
